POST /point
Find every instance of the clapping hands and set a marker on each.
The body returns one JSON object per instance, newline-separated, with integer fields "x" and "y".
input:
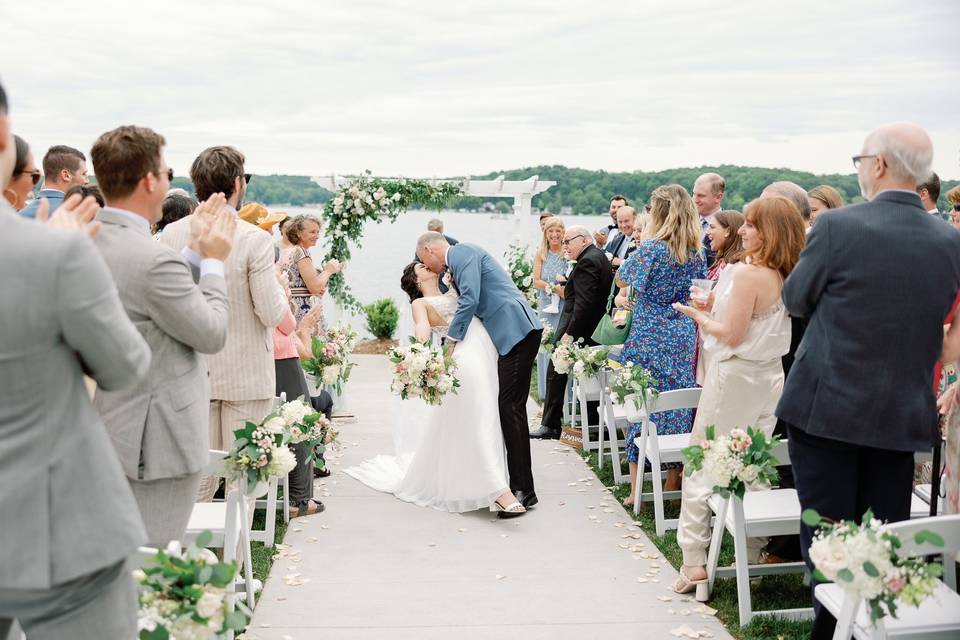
{"x": 333, "y": 266}
{"x": 75, "y": 214}
{"x": 212, "y": 228}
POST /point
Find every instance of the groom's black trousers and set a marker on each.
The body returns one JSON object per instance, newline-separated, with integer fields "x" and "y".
{"x": 514, "y": 369}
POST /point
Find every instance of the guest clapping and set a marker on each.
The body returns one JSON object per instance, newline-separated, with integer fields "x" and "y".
{"x": 661, "y": 339}
{"x": 25, "y": 175}
{"x": 745, "y": 334}
{"x": 305, "y": 280}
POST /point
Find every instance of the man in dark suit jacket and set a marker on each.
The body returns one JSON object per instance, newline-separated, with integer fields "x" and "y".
{"x": 858, "y": 399}
{"x": 585, "y": 301}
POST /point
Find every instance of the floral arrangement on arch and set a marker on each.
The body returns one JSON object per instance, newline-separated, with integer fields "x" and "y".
{"x": 862, "y": 560}
{"x": 185, "y": 596}
{"x": 331, "y": 356}
{"x": 735, "y": 462}
{"x": 260, "y": 452}
{"x": 421, "y": 370}
{"x": 367, "y": 198}
{"x": 520, "y": 269}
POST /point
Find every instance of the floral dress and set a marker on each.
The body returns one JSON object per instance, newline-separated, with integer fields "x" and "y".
{"x": 661, "y": 340}
{"x": 301, "y": 300}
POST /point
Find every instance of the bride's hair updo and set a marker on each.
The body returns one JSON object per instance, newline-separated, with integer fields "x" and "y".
{"x": 408, "y": 281}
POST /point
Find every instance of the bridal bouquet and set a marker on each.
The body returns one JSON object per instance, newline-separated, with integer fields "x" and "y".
{"x": 422, "y": 371}
{"x": 260, "y": 452}
{"x": 862, "y": 560}
{"x": 734, "y": 462}
{"x": 521, "y": 272}
{"x": 331, "y": 356}
{"x": 304, "y": 424}
{"x": 185, "y": 596}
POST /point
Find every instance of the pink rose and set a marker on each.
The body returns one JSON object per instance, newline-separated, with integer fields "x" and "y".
{"x": 896, "y": 585}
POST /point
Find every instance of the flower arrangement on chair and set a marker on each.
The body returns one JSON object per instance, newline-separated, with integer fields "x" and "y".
{"x": 734, "y": 462}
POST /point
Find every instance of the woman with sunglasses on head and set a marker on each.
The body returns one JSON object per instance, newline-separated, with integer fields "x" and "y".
{"x": 25, "y": 176}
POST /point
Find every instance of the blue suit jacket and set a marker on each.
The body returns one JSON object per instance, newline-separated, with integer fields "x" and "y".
{"x": 487, "y": 292}
{"x": 54, "y": 198}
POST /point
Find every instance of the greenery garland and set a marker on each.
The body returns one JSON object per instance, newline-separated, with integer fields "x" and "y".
{"x": 368, "y": 198}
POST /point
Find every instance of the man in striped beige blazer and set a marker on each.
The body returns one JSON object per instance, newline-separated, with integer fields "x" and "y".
{"x": 242, "y": 375}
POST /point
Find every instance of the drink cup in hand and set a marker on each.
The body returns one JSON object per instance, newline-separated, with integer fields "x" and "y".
{"x": 700, "y": 291}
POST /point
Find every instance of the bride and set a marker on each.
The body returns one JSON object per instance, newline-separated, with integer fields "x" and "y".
{"x": 458, "y": 462}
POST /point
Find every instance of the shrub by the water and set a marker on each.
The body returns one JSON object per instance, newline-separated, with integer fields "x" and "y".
{"x": 382, "y": 318}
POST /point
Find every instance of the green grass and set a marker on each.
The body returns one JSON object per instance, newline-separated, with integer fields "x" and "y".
{"x": 773, "y": 592}
{"x": 262, "y": 556}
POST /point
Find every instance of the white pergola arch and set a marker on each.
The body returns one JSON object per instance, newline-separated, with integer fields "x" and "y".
{"x": 522, "y": 192}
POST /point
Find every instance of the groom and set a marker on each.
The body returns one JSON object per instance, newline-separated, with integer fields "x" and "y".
{"x": 487, "y": 292}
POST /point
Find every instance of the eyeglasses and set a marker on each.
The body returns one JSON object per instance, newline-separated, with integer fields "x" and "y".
{"x": 956, "y": 207}
{"x": 858, "y": 159}
{"x": 247, "y": 177}
{"x": 169, "y": 173}
{"x": 569, "y": 240}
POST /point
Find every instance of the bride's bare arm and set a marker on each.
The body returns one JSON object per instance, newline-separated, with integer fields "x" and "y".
{"x": 421, "y": 320}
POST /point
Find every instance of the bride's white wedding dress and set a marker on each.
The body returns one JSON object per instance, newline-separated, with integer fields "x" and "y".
{"x": 450, "y": 457}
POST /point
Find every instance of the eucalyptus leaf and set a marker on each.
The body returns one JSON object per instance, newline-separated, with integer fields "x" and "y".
{"x": 810, "y": 517}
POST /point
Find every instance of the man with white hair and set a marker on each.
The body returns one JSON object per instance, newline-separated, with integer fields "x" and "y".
{"x": 792, "y": 192}
{"x": 585, "y": 296}
{"x": 858, "y": 401}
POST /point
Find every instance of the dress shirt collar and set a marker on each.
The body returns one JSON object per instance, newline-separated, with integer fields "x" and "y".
{"x": 934, "y": 212}
{"x": 49, "y": 191}
{"x": 137, "y": 219}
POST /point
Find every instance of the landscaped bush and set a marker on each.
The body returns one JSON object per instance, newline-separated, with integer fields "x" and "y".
{"x": 382, "y": 318}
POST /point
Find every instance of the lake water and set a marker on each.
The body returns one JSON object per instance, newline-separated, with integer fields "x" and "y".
{"x": 375, "y": 268}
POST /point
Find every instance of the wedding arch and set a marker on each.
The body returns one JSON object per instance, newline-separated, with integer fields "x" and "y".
{"x": 357, "y": 199}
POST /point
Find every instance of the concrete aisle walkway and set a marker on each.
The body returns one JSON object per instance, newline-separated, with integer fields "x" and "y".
{"x": 372, "y": 566}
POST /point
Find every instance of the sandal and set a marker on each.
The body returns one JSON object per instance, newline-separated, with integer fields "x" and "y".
{"x": 685, "y": 585}
{"x": 307, "y": 508}
{"x": 513, "y": 510}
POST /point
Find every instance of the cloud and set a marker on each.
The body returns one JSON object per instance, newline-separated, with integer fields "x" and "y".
{"x": 464, "y": 88}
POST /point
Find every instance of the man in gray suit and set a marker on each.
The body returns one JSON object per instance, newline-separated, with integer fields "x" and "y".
{"x": 159, "y": 427}
{"x": 859, "y": 398}
{"x": 68, "y": 518}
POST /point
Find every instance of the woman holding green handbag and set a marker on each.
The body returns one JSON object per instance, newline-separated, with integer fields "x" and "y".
{"x": 661, "y": 339}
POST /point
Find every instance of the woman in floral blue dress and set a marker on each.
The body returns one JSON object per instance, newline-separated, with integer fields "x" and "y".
{"x": 663, "y": 340}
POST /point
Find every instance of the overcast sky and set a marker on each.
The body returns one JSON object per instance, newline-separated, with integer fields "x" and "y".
{"x": 458, "y": 87}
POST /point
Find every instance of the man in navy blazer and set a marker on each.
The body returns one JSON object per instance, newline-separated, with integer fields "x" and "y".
{"x": 487, "y": 292}
{"x": 859, "y": 398}
{"x": 63, "y": 167}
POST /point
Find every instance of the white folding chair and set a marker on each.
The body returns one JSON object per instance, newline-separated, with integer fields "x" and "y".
{"x": 762, "y": 513}
{"x": 936, "y": 617}
{"x": 229, "y": 522}
{"x": 590, "y": 390}
{"x": 660, "y": 450}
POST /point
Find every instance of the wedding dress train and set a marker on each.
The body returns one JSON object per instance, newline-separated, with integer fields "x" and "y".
{"x": 450, "y": 457}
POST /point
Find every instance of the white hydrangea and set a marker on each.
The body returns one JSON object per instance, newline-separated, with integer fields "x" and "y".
{"x": 275, "y": 425}
{"x": 331, "y": 374}
{"x": 294, "y": 412}
{"x": 282, "y": 462}
{"x": 210, "y": 602}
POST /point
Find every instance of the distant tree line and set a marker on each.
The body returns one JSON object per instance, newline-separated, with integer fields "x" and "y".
{"x": 584, "y": 191}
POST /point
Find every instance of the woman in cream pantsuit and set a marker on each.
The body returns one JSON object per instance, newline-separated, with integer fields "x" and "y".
{"x": 744, "y": 336}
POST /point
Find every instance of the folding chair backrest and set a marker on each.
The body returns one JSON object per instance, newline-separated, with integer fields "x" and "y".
{"x": 676, "y": 399}
{"x": 948, "y": 527}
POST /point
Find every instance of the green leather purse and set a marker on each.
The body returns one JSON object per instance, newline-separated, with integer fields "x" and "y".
{"x": 608, "y": 333}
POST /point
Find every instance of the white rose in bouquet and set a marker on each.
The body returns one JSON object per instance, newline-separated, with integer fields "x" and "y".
{"x": 275, "y": 425}
{"x": 578, "y": 369}
{"x": 750, "y": 473}
{"x": 331, "y": 374}
{"x": 282, "y": 462}
{"x": 294, "y": 412}
{"x": 338, "y": 200}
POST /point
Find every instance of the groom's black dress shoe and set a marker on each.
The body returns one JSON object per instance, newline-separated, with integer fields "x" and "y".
{"x": 543, "y": 433}
{"x": 526, "y": 498}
